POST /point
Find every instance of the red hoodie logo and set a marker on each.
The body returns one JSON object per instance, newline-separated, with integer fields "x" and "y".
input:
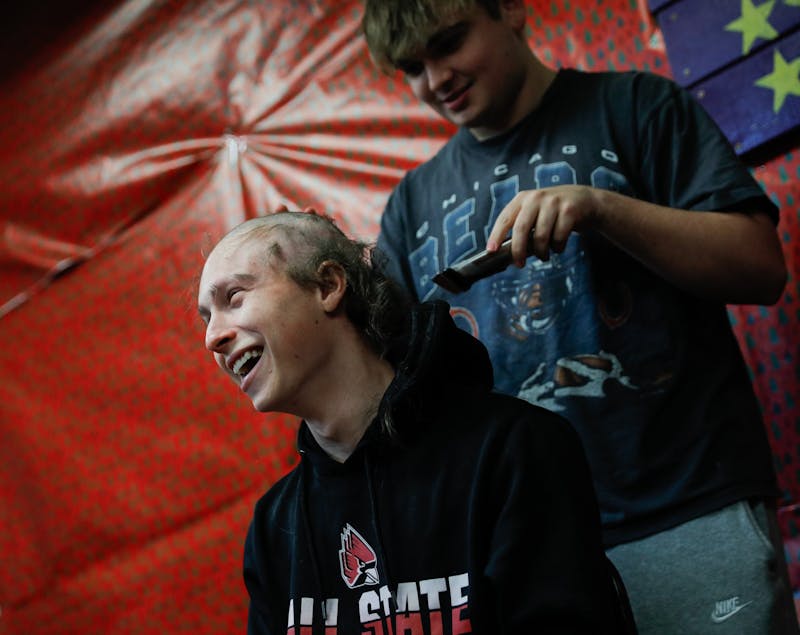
{"x": 357, "y": 559}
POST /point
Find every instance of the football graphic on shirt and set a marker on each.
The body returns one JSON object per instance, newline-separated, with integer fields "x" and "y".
{"x": 357, "y": 559}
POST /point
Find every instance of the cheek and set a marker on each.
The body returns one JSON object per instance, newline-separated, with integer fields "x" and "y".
{"x": 220, "y": 361}
{"x": 419, "y": 87}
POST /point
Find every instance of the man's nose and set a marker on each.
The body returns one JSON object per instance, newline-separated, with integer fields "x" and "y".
{"x": 437, "y": 73}
{"x": 218, "y": 335}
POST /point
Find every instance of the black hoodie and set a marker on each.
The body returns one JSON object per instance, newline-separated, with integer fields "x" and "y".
{"x": 476, "y": 516}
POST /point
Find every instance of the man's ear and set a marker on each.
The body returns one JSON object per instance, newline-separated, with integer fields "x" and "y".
{"x": 332, "y": 285}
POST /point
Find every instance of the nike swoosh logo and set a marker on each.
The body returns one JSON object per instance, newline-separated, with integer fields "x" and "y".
{"x": 721, "y": 618}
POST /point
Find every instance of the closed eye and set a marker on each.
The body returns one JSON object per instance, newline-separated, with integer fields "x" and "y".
{"x": 412, "y": 68}
{"x": 232, "y": 295}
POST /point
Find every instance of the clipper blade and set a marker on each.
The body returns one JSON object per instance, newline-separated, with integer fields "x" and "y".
{"x": 462, "y": 275}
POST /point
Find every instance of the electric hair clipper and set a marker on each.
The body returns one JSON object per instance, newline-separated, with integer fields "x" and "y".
{"x": 462, "y": 275}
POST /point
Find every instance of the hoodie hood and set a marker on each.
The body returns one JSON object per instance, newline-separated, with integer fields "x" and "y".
{"x": 435, "y": 359}
{"x": 437, "y": 350}
{"x": 439, "y": 358}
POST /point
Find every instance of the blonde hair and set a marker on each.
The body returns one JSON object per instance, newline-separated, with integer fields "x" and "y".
{"x": 375, "y": 305}
{"x": 397, "y": 29}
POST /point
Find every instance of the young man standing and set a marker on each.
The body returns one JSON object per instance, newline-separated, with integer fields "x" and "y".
{"x": 424, "y": 502}
{"x": 642, "y": 224}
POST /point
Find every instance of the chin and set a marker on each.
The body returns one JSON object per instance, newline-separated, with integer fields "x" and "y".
{"x": 261, "y": 403}
{"x": 262, "y": 407}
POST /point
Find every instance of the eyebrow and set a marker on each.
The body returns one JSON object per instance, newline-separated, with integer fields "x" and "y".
{"x": 215, "y": 289}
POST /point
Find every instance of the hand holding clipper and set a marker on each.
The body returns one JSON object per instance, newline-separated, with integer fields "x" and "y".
{"x": 462, "y": 275}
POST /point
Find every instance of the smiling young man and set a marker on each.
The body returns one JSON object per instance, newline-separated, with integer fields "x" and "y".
{"x": 643, "y": 225}
{"x": 287, "y": 348}
{"x": 424, "y": 502}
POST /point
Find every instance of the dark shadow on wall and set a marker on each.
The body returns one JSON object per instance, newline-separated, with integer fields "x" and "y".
{"x": 28, "y": 29}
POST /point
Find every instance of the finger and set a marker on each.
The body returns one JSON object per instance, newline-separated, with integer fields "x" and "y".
{"x": 543, "y": 232}
{"x": 505, "y": 220}
{"x": 562, "y": 230}
{"x": 521, "y": 233}
{"x": 573, "y": 214}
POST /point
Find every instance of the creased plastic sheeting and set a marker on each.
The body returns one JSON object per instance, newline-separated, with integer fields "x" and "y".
{"x": 151, "y": 92}
{"x": 128, "y": 464}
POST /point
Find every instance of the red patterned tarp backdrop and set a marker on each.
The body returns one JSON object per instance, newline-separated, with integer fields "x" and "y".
{"x": 131, "y": 139}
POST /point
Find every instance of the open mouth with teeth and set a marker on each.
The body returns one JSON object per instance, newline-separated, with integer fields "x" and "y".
{"x": 247, "y": 361}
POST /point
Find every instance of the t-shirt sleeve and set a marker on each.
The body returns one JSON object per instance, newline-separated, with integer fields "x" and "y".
{"x": 685, "y": 159}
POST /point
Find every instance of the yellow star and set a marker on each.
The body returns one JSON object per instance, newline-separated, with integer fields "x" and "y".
{"x": 784, "y": 79}
{"x": 753, "y": 24}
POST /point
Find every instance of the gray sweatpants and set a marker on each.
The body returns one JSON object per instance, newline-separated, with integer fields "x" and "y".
{"x": 723, "y": 574}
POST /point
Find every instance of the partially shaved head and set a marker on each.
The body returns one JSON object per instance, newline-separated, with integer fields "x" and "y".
{"x": 292, "y": 241}
{"x": 301, "y": 243}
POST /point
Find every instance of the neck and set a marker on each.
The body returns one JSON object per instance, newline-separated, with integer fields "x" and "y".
{"x": 349, "y": 403}
{"x": 537, "y": 79}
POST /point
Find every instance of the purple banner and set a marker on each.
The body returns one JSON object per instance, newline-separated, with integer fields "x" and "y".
{"x": 656, "y": 5}
{"x": 703, "y": 36}
{"x": 758, "y": 99}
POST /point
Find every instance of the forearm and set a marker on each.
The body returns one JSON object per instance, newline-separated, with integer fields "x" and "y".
{"x": 730, "y": 257}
